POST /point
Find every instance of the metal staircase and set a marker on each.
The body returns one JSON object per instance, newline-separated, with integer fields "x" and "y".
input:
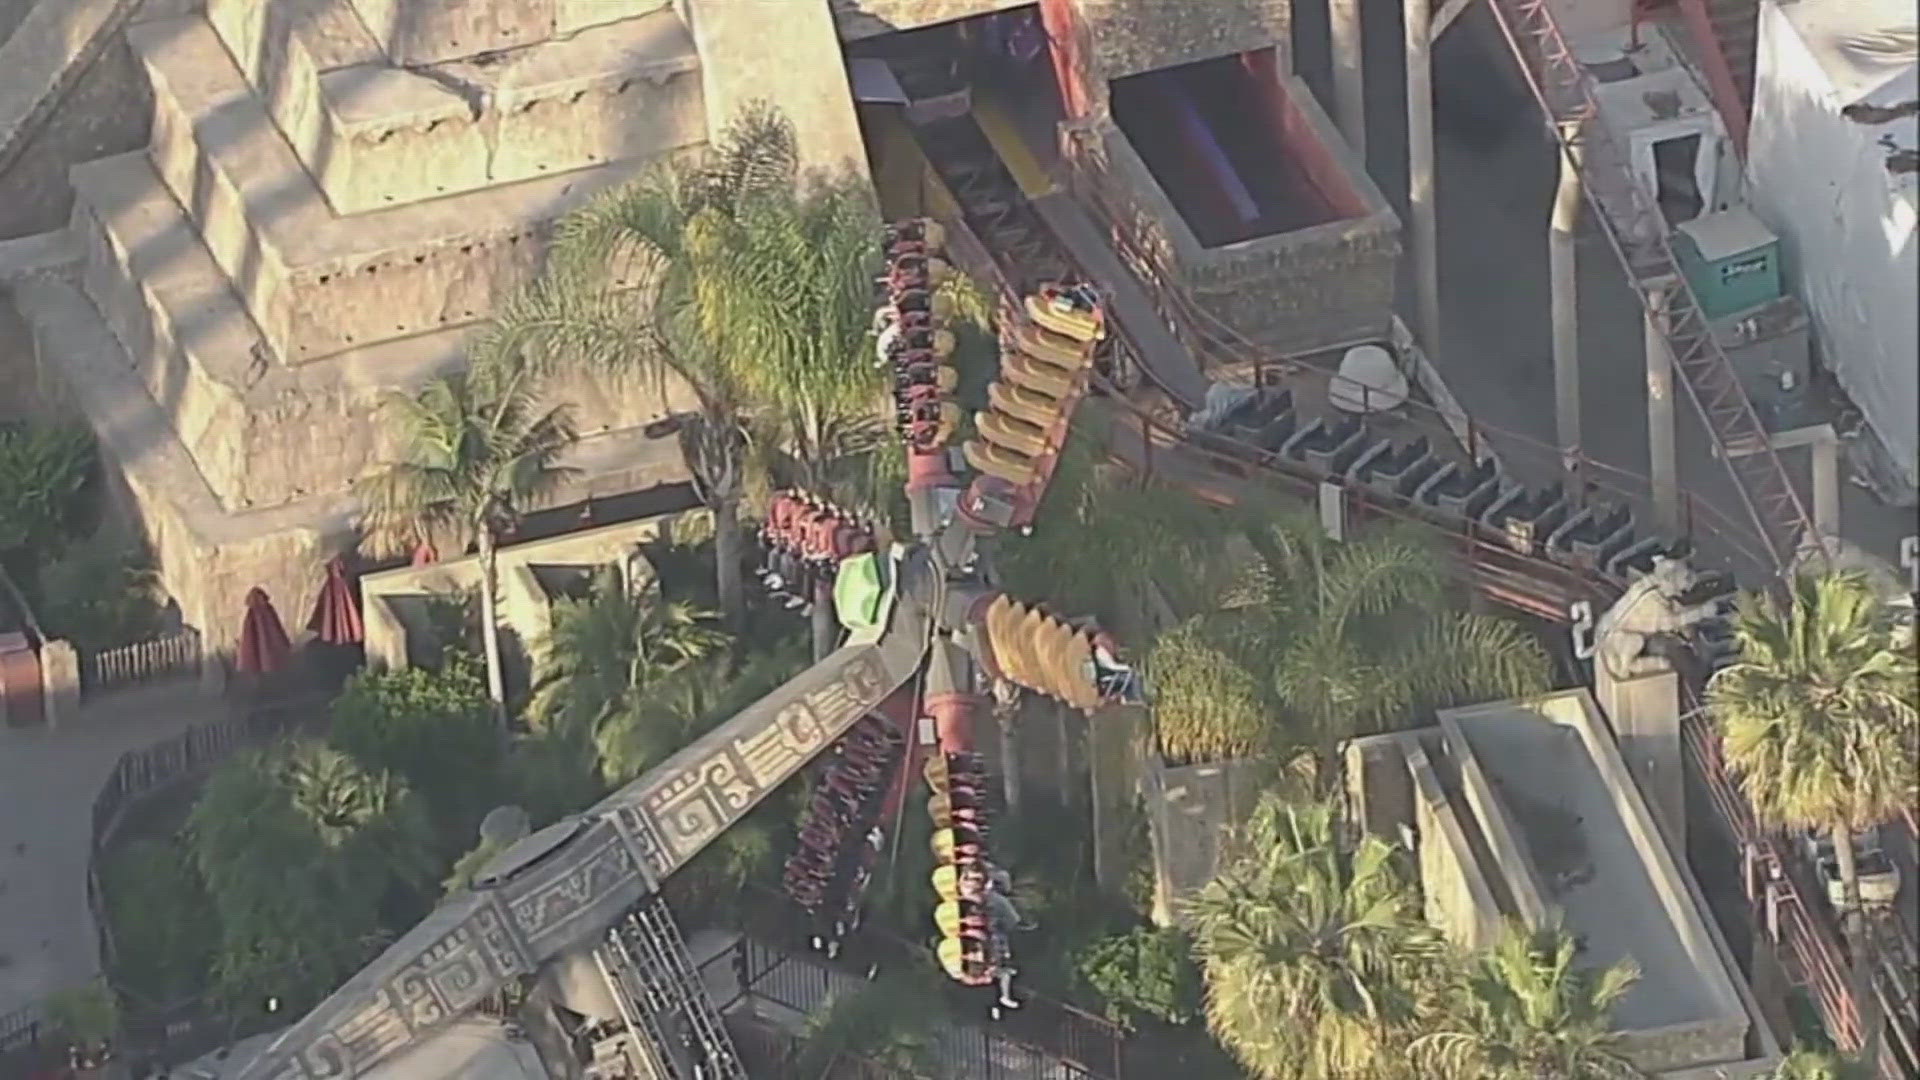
{"x": 1638, "y": 234}
{"x": 1735, "y": 26}
{"x": 677, "y": 1033}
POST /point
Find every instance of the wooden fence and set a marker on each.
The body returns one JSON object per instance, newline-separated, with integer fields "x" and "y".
{"x": 174, "y": 656}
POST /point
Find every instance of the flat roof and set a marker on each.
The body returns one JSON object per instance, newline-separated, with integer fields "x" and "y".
{"x": 1526, "y": 810}
{"x": 1862, "y": 45}
{"x": 1588, "y": 863}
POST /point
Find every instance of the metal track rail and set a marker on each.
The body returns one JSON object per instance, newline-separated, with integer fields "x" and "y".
{"x": 663, "y": 999}
{"x": 1638, "y": 234}
{"x": 1531, "y": 582}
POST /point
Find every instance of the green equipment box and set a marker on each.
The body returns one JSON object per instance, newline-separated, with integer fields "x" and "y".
{"x": 1731, "y": 260}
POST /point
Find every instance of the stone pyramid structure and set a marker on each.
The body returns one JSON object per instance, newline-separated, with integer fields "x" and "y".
{"x": 335, "y": 194}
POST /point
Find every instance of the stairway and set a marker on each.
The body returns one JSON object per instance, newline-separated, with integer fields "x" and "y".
{"x": 1736, "y": 25}
{"x": 674, "y": 1024}
{"x": 1635, "y": 229}
{"x": 1719, "y": 39}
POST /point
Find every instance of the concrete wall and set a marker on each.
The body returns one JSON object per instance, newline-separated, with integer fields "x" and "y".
{"x": 1846, "y": 227}
{"x": 799, "y": 68}
{"x": 1686, "y": 978}
{"x": 412, "y": 32}
{"x": 524, "y": 606}
{"x": 1190, "y": 811}
{"x": 1291, "y": 292}
{"x": 856, "y": 19}
{"x": 1453, "y": 886}
{"x": 1103, "y": 40}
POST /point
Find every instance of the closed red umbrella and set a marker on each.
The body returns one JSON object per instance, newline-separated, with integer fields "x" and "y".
{"x": 423, "y": 553}
{"x": 263, "y": 640}
{"x": 336, "y": 611}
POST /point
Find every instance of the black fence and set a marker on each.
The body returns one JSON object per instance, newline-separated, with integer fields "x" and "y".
{"x": 807, "y": 985}
{"x": 181, "y": 1031}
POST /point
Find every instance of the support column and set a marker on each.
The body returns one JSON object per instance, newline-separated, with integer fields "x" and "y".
{"x": 1644, "y": 710}
{"x": 1566, "y": 313}
{"x": 1424, "y": 235}
{"x": 1662, "y": 466}
{"x": 1349, "y": 74}
{"x": 1826, "y": 485}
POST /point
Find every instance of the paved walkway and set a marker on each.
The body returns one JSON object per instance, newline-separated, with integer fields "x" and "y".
{"x": 48, "y": 781}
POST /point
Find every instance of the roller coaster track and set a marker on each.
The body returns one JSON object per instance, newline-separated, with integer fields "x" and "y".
{"x": 1541, "y": 580}
{"x": 1638, "y": 234}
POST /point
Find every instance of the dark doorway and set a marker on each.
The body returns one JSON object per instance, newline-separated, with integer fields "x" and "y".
{"x": 1673, "y": 169}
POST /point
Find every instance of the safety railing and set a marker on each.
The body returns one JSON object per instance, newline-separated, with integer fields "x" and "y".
{"x": 172, "y": 656}
{"x": 810, "y": 986}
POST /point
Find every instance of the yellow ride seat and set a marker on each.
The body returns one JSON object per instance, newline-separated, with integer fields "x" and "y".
{"x": 1057, "y": 310}
{"x": 1016, "y": 435}
{"x": 1057, "y": 349}
{"x": 1032, "y": 406}
{"x": 946, "y": 378}
{"x": 999, "y": 462}
{"x": 1036, "y": 375}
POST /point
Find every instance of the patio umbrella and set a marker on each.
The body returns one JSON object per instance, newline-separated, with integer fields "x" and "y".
{"x": 263, "y": 640}
{"x": 336, "y": 611}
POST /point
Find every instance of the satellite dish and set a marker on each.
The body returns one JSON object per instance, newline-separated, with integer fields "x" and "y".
{"x": 1369, "y": 381}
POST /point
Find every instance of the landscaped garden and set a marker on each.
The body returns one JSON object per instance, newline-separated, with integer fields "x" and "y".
{"x": 1262, "y": 641}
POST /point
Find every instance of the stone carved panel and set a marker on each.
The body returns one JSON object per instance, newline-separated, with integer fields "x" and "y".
{"x": 594, "y": 870}
{"x": 431, "y": 983}
{"x": 467, "y": 949}
{"x": 721, "y": 778}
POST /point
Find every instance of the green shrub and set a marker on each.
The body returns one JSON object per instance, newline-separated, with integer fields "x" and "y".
{"x": 44, "y": 471}
{"x": 433, "y": 729}
{"x": 164, "y": 932}
{"x": 100, "y": 593}
{"x": 1145, "y": 971}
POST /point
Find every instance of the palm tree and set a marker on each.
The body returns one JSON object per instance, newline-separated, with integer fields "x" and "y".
{"x": 1126, "y": 550}
{"x": 301, "y": 850}
{"x": 605, "y": 654}
{"x": 1321, "y": 640}
{"x": 369, "y": 820}
{"x": 1819, "y": 719}
{"x": 726, "y": 277}
{"x": 884, "y": 1023}
{"x": 1314, "y": 957}
{"x": 1806, "y": 1063}
{"x": 1524, "y": 1011}
{"x": 478, "y": 454}
{"x": 684, "y": 704}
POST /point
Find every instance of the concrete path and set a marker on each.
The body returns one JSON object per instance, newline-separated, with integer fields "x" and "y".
{"x": 48, "y": 781}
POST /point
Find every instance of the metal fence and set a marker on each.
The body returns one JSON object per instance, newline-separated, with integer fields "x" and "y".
{"x": 20, "y": 1033}
{"x": 174, "y": 656}
{"x": 808, "y": 986}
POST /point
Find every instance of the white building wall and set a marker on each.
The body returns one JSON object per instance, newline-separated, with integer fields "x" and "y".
{"x": 1846, "y": 226}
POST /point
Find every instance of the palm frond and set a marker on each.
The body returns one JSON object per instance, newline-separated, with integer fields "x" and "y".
{"x": 1818, "y": 714}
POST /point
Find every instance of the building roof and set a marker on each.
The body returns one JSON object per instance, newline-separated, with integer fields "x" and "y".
{"x": 1862, "y": 45}
{"x": 1727, "y": 233}
{"x": 1527, "y": 810}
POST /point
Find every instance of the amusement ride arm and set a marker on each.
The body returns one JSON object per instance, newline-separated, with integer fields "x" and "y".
{"x": 573, "y": 880}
